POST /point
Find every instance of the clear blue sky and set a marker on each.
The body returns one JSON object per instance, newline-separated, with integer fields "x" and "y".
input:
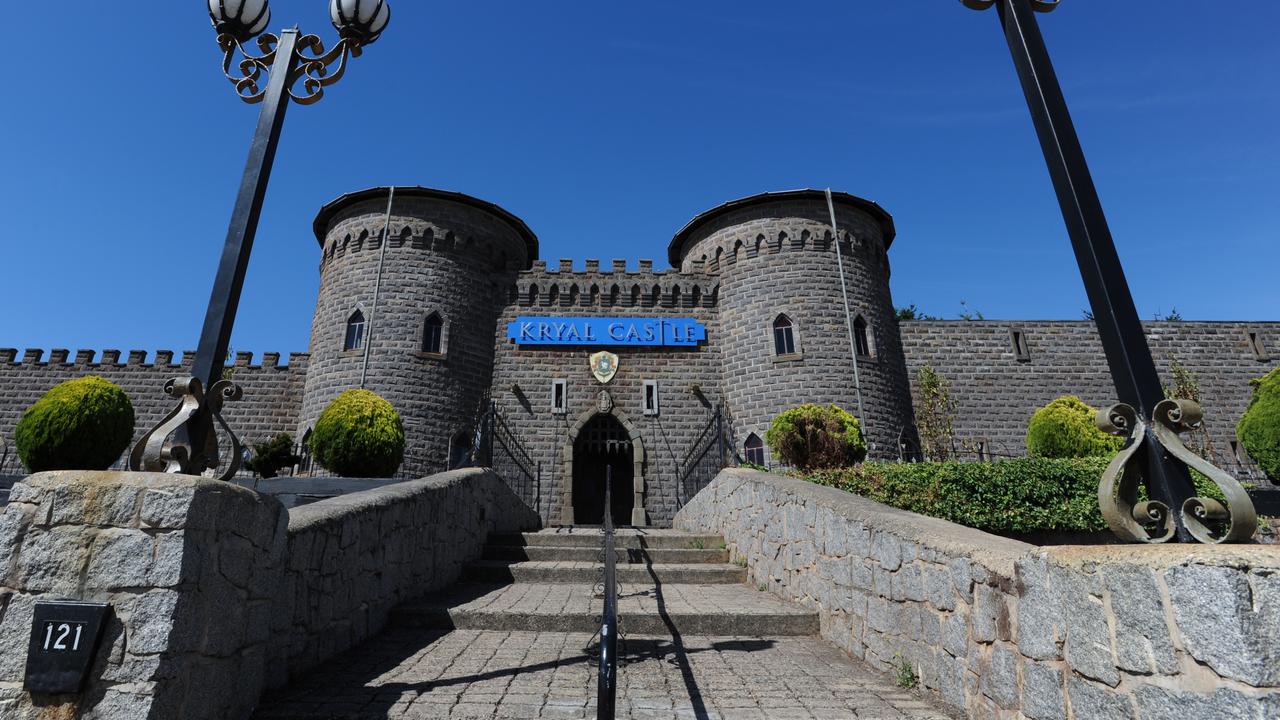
{"x": 606, "y": 126}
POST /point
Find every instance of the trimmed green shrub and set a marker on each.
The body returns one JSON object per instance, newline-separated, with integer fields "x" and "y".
{"x": 359, "y": 435}
{"x": 1065, "y": 429}
{"x": 81, "y": 424}
{"x": 1008, "y": 496}
{"x": 1259, "y": 428}
{"x": 812, "y": 437}
{"x": 271, "y": 456}
{"x": 1019, "y": 495}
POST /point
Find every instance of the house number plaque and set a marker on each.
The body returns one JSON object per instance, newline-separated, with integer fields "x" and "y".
{"x": 64, "y": 641}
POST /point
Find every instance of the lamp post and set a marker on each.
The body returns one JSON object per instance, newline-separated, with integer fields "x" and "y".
{"x": 297, "y": 68}
{"x": 1153, "y": 454}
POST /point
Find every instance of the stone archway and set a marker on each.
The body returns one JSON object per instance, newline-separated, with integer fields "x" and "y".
{"x": 639, "y": 516}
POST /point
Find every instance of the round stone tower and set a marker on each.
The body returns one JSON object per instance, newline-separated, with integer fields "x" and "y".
{"x": 415, "y": 323}
{"x": 783, "y": 334}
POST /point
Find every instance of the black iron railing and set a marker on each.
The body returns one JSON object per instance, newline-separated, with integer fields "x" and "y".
{"x": 607, "y": 685}
{"x": 707, "y": 455}
{"x": 498, "y": 447}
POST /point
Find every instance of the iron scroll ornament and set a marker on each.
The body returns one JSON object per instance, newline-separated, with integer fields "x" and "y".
{"x": 160, "y": 450}
{"x": 313, "y": 67}
{"x": 1151, "y": 521}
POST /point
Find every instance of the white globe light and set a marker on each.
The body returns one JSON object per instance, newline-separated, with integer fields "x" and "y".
{"x": 241, "y": 19}
{"x": 360, "y": 20}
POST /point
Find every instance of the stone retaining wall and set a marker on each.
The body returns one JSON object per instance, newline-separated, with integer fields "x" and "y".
{"x": 1003, "y": 629}
{"x": 351, "y": 559}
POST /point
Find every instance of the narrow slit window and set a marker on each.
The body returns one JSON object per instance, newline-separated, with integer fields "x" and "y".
{"x": 861, "y": 338}
{"x": 433, "y": 334}
{"x": 753, "y": 450}
{"x": 1021, "y": 350}
{"x": 354, "y": 339}
{"x": 784, "y": 337}
{"x": 559, "y": 396}
{"x": 650, "y": 397}
{"x": 1255, "y": 344}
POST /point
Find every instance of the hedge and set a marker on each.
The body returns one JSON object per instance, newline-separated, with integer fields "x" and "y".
{"x": 812, "y": 437}
{"x": 1259, "y": 428}
{"x": 1065, "y": 429}
{"x": 1008, "y": 496}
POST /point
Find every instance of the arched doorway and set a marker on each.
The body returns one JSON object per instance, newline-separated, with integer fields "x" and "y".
{"x": 602, "y": 443}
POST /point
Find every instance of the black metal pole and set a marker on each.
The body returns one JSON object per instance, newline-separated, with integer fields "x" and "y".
{"x": 225, "y": 299}
{"x": 607, "y": 675}
{"x": 1123, "y": 338}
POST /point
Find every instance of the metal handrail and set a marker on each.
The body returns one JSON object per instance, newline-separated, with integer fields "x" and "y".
{"x": 607, "y": 685}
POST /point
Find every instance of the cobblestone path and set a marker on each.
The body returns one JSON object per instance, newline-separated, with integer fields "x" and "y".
{"x": 519, "y": 651}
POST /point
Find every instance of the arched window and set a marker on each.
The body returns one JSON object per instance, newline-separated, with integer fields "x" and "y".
{"x": 753, "y": 450}
{"x": 861, "y": 338}
{"x": 433, "y": 334}
{"x": 355, "y": 332}
{"x": 784, "y": 337}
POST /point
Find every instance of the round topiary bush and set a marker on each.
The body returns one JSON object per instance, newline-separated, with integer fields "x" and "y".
{"x": 1259, "y": 428}
{"x": 1065, "y": 429}
{"x": 812, "y": 437}
{"x": 82, "y": 424}
{"x": 359, "y": 435}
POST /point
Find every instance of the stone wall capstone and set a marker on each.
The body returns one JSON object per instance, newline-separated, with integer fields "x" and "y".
{"x": 1002, "y": 629}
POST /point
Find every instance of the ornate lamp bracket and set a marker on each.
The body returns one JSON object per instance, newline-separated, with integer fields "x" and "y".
{"x": 313, "y": 68}
{"x": 165, "y": 449}
{"x": 1151, "y": 521}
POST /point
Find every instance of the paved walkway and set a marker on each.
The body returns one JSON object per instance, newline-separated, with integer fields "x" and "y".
{"x": 510, "y": 642}
{"x": 413, "y": 673}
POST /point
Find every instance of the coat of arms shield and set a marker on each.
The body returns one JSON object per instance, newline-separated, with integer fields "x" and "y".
{"x": 604, "y": 365}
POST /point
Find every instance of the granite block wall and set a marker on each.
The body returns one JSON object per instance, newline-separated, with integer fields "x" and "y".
{"x": 272, "y": 391}
{"x": 190, "y": 568}
{"x": 1001, "y": 629}
{"x": 351, "y": 559}
{"x": 997, "y": 393}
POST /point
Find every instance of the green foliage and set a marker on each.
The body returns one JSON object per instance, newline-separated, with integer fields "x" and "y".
{"x": 82, "y": 424}
{"x": 970, "y": 314}
{"x": 935, "y": 414}
{"x": 1065, "y": 429}
{"x": 904, "y": 672}
{"x": 271, "y": 456}
{"x": 911, "y": 312}
{"x": 359, "y": 435}
{"x": 1008, "y": 496}
{"x": 1259, "y": 428}
{"x": 1019, "y": 495}
{"x": 811, "y": 437}
{"x": 753, "y": 466}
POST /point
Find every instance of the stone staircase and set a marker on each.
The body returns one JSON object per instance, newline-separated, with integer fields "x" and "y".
{"x": 672, "y": 583}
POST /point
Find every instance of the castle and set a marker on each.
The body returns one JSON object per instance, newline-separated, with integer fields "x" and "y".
{"x": 455, "y": 320}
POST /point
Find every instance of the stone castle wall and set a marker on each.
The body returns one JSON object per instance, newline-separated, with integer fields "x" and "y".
{"x": 522, "y": 378}
{"x": 272, "y": 391}
{"x": 778, "y": 257}
{"x": 1001, "y": 629}
{"x": 997, "y": 393}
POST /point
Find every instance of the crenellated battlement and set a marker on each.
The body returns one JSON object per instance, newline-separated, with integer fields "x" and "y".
{"x": 89, "y": 359}
{"x": 615, "y": 285}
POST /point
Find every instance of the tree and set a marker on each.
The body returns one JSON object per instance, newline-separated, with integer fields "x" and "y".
{"x": 935, "y": 415}
{"x": 911, "y": 312}
{"x": 813, "y": 437}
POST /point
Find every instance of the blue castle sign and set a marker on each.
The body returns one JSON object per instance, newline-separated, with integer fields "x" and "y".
{"x": 664, "y": 332}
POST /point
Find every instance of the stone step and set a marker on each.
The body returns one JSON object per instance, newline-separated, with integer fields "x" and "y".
{"x": 643, "y": 609}
{"x": 504, "y": 571}
{"x": 633, "y": 556}
{"x": 660, "y": 539}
